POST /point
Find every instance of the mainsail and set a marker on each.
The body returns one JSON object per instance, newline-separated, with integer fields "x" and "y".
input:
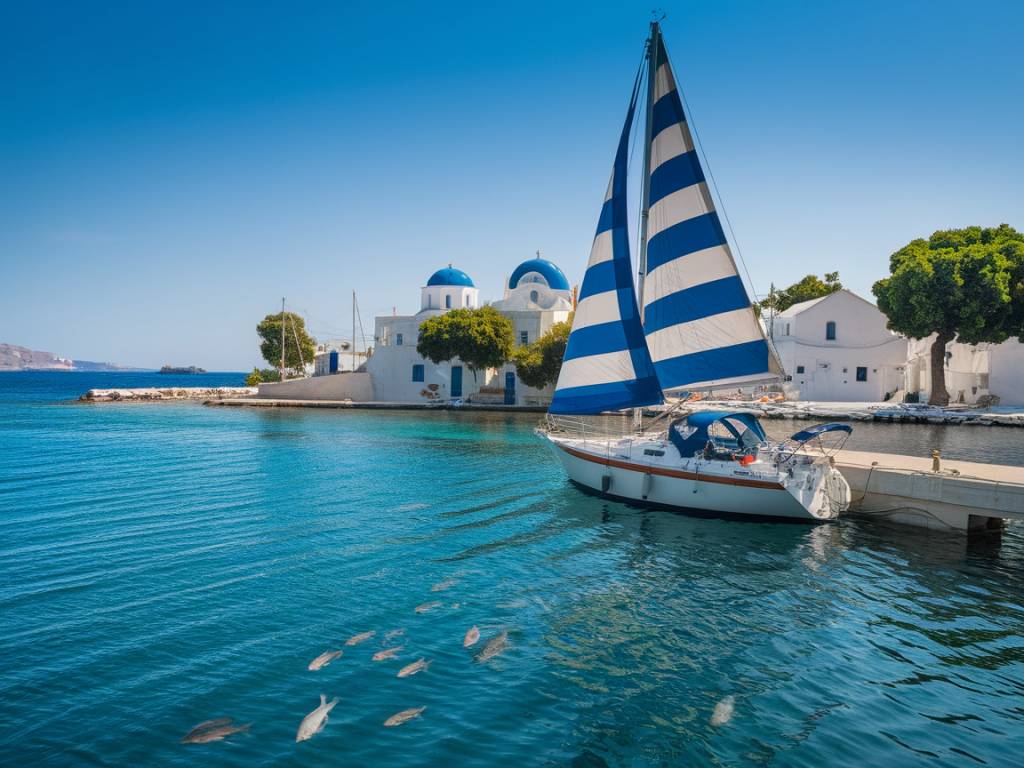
{"x": 606, "y": 365}
{"x": 700, "y": 326}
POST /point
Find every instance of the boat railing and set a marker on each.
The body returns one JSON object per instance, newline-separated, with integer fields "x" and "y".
{"x": 596, "y": 429}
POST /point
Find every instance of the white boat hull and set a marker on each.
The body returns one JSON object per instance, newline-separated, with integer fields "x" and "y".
{"x": 814, "y": 492}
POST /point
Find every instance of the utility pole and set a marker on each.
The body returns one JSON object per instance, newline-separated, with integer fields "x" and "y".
{"x": 282, "y": 338}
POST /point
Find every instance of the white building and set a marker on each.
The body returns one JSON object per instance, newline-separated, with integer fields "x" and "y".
{"x": 972, "y": 371}
{"x": 335, "y": 356}
{"x": 537, "y": 295}
{"x": 838, "y": 348}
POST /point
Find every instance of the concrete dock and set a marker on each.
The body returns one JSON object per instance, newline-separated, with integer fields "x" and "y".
{"x": 961, "y": 495}
{"x": 269, "y": 402}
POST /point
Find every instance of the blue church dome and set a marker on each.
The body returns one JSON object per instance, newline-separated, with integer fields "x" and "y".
{"x": 551, "y": 274}
{"x": 450, "y": 276}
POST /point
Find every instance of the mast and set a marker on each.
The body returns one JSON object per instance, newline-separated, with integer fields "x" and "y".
{"x": 645, "y": 198}
{"x": 645, "y": 195}
{"x": 353, "y": 330}
{"x": 282, "y": 338}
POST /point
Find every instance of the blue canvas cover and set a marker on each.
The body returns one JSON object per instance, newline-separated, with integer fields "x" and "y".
{"x": 690, "y": 434}
{"x": 820, "y": 429}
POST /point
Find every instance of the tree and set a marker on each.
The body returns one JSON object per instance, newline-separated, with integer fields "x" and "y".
{"x": 260, "y": 376}
{"x": 480, "y": 338}
{"x": 810, "y": 287}
{"x": 965, "y": 284}
{"x": 299, "y": 346}
{"x": 538, "y": 363}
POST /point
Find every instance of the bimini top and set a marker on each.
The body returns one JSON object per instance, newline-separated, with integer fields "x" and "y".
{"x": 450, "y": 276}
{"x": 820, "y": 429}
{"x": 553, "y": 276}
{"x": 690, "y": 434}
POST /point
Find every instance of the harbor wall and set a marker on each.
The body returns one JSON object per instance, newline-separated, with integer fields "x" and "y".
{"x": 341, "y": 386}
{"x": 932, "y": 492}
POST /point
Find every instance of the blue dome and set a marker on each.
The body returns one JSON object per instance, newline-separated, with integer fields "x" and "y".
{"x": 450, "y": 276}
{"x": 552, "y": 275}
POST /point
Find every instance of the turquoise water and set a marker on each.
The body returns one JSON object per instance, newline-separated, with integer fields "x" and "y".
{"x": 165, "y": 564}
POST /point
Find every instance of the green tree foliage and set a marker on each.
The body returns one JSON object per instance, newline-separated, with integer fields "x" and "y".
{"x": 538, "y": 363}
{"x": 810, "y": 287}
{"x": 269, "y": 331}
{"x": 480, "y": 338}
{"x": 261, "y": 376}
{"x": 965, "y": 284}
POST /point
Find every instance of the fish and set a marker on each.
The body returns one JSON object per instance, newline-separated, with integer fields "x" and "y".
{"x": 412, "y": 669}
{"x": 213, "y": 730}
{"x": 495, "y": 645}
{"x": 423, "y": 608}
{"x": 323, "y": 660}
{"x": 362, "y": 637}
{"x": 443, "y": 585}
{"x": 388, "y": 653}
{"x": 471, "y": 638}
{"x": 315, "y": 721}
{"x": 391, "y": 634}
{"x": 723, "y": 711}
{"x": 404, "y": 716}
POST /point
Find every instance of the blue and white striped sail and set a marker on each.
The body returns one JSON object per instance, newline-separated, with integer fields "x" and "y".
{"x": 606, "y": 366}
{"x": 700, "y": 326}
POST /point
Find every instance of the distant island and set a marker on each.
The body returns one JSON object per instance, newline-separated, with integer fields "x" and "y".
{"x": 15, "y": 358}
{"x": 190, "y": 369}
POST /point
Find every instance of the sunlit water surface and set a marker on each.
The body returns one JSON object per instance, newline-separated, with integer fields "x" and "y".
{"x": 165, "y": 564}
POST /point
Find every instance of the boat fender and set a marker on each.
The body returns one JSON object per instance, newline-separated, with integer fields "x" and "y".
{"x": 645, "y": 485}
{"x": 606, "y": 483}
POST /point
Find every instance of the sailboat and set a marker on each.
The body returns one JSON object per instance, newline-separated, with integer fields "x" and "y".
{"x": 687, "y": 325}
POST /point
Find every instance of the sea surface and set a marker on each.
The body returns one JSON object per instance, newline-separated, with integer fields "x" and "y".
{"x": 167, "y": 564}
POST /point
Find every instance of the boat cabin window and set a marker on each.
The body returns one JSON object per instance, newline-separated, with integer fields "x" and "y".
{"x": 653, "y": 452}
{"x": 830, "y": 330}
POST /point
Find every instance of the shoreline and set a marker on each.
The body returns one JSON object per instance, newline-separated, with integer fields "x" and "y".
{"x": 878, "y": 413}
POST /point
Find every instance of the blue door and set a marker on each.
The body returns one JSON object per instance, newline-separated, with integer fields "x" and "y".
{"x": 510, "y": 388}
{"x": 456, "y": 381}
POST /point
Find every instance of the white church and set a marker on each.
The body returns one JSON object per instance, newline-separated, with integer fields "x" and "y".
{"x": 537, "y": 295}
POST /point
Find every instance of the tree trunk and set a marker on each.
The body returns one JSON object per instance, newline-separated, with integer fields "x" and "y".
{"x": 939, "y": 394}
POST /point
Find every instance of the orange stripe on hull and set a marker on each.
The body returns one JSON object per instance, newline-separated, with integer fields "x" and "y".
{"x": 769, "y": 486}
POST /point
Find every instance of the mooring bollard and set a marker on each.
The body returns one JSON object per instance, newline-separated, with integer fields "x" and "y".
{"x": 936, "y": 464}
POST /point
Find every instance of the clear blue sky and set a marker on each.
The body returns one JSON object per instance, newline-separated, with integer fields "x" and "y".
{"x": 168, "y": 172}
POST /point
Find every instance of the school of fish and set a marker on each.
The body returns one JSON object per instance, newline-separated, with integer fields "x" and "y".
{"x": 221, "y": 728}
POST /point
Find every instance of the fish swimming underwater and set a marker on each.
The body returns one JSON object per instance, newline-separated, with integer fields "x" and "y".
{"x": 424, "y": 607}
{"x": 723, "y": 711}
{"x": 404, "y": 716}
{"x": 362, "y": 637}
{"x": 213, "y": 730}
{"x": 315, "y": 721}
{"x": 412, "y": 669}
{"x": 323, "y": 660}
{"x": 495, "y": 645}
{"x": 391, "y": 634}
{"x": 443, "y": 585}
{"x": 388, "y": 653}
{"x": 471, "y": 638}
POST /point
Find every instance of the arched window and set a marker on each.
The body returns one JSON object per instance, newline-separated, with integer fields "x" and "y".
{"x": 830, "y": 330}
{"x": 534, "y": 296}
{"x": 448, "y": 301}
{"x": 465, "y": 300}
